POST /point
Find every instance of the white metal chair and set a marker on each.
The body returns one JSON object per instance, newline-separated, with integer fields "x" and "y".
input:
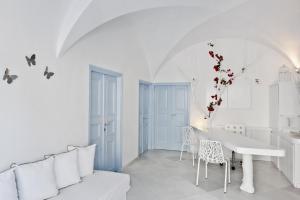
{"x": 236, "y": 129}
{"x": 189, "y": 140}
{"x": 212, "y": 152}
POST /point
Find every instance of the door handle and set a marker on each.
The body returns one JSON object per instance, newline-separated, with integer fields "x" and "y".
{"x": 105, "y": 125}
{"x": 107, "y": 122}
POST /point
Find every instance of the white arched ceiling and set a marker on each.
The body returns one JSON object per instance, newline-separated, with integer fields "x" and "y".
{"x": 158, "y": 30}
{"x": 85, "y": 15}
{"x": 165, "y": 27}
{"x": 273, "y": 23}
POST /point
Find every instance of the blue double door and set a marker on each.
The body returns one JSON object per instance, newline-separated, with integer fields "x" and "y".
{"x": 103, "y": 120}
{"x": 171, "y": 113}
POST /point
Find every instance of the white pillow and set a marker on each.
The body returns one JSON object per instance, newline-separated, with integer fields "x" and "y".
{"x": 8, "y": 187}
{"x": 36, "y": 180}
{"x": 86, "y": 156}
{"x": 66, "y": 169}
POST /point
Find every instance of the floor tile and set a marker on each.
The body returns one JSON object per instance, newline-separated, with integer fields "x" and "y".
{"x": 159, "y": 175}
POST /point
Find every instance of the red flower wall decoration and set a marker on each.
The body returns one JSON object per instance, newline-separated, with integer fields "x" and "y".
{"x": 224, "y": 77}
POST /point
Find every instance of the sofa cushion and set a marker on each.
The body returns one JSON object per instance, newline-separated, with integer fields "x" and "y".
{"x": 36, "y": 180}
{"x": 8, "y": 187}
{"x": 101, "y": 185}
{"x": 66, "y": 169}
{"x": 86, "y": 157}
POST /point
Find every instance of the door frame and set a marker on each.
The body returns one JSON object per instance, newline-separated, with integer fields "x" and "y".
{"x": 119, "y": 137}
{"x": 150, "y": 131}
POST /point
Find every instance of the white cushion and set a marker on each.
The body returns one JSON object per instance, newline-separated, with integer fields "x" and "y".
{"x": 102, "y": 185}
{"x": 86, "y": 156}
{"x": 36, "y": 180}
{"x": 66, "y": 169}
{"x": 8, "y": 187}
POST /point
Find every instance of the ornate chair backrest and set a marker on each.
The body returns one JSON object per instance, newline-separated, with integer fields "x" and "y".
{"x": 236, "y": 128}
{"x": 189, "y": 136}
{"x": 211, "y": 151}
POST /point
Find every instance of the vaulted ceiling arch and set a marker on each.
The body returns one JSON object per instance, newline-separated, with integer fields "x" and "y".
{"x": 84, "y": 16}
{"x": 188, "y": 42}
{"x": 166, "y": 27}
{"x": 250, "y": 23}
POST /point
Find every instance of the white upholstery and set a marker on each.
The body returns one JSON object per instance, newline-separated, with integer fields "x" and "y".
{"x": 8, "y": 187}
{"x": 36, "y": 180}
{"x": 86, "y": 157}
{"x": 66, "y": 168}
{"x": 101, "y": 185}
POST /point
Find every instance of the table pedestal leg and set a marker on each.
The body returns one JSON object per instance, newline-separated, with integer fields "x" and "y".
{"x": 247, "y": 184}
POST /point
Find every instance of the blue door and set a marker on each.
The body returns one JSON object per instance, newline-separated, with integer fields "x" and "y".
{"x": 144, "y": 117}
{"x": 171, "y": 114}
{"x": 103, "y": 120}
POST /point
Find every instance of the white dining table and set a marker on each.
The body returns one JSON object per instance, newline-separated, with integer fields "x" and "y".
{"x": 245, "y": 146}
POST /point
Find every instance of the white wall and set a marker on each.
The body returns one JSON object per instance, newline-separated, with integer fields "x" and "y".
{"x": 40, "y": 116}
{"x": 261, "y": 62}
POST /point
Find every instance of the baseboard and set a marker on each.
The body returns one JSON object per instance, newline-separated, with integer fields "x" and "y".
{"x": 297, "y": 185}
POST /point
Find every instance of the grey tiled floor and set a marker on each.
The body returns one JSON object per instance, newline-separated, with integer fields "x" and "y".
{"x": 159, "y": 175}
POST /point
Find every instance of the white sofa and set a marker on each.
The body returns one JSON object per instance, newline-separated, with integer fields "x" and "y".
{"x": 65, "y": 176}
{"x": 102, "y": 185}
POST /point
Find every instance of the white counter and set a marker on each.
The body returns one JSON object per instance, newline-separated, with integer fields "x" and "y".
{"x": 295, "y": 139}
{"x": 290, "y": 164}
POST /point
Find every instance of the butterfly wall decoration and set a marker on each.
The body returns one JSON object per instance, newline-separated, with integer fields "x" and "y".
{"x": 9, "y": 78}
{"x": 31, "y": 60}
{"x": 48, "y": 74}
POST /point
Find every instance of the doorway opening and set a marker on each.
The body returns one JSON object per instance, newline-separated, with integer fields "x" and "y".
{"x": 164, "y": 109}
{"x": 171, "y": 114}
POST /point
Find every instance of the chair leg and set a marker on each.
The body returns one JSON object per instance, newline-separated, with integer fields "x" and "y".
{"x": 206, "y": 170}
{"x": 225, "y": 181}
{"x": 181, "y": 152}
{"x": 229, "y": 173}
{"x": 193, "y": 159}
{"x": 198, "y": 171}
{"x": 233, "y": 160}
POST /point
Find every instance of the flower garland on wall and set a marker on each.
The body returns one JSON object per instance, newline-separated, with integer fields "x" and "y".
{"x": 224, "y": 78}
